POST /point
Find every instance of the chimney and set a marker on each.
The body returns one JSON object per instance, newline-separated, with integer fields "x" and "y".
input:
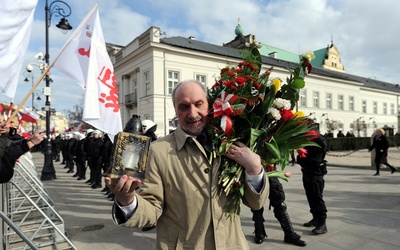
{"x": 273, "y": 54}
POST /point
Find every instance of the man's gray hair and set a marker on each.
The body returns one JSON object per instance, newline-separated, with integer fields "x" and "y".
{"x": 202, "y": 85}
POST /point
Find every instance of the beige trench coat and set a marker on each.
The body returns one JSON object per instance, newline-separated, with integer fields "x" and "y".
{"x": 181, "y": 195}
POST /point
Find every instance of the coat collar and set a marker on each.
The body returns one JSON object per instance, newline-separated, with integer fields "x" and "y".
{"x": 181, "y": 137}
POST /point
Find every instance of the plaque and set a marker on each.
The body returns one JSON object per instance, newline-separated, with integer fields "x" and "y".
{"x": 129, "y": 155}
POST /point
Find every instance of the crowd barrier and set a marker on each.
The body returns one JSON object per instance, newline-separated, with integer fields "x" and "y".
{"x": 28, "y": 214}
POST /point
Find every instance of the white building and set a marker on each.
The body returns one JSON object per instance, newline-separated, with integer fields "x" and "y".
{"x": 148, "y": 68}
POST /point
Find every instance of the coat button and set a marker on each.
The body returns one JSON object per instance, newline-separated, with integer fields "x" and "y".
{"x": 207, "y": 170}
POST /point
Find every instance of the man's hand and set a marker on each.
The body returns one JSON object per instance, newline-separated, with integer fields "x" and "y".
{"x": 245, "y": 157}
{"x": 123, "y": 188}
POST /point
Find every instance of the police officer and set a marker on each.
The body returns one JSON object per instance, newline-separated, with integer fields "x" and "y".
{"x": 277, "y": 201}
{"x": 313, "y": 166}
{"x": 69, "y": 144}
{"x": 96, "y": 147}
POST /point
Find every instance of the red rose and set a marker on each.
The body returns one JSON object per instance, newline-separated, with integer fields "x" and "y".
{"x": 228, "y": 83}
{"x": 256, "y": 85}
{"x": 240, "y": 81}
{"x": 239, "y": 70}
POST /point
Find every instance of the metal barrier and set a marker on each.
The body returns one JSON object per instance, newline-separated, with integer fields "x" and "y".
{"x": 30, "y": 213}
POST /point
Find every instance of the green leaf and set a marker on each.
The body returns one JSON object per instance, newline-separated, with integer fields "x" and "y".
{"x": 254, "y": 134}
{"x": 277, "y": 174}
{"x": 256, "y": 53}
{"x": 273, "y": 148}
{"x": 298, "y": 83}
{"x": 225, "y": 145}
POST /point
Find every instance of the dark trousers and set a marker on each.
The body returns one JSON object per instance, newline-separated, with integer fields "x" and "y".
{"x": 81, "y": 167}
{"x": 96, "y": 169}
{"x": 381, "y": 158}
{"x": 314, "y": 188}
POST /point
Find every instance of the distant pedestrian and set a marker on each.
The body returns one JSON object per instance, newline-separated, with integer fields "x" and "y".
{"x": 340, "y": 134}
{"x": 381, "y": 145}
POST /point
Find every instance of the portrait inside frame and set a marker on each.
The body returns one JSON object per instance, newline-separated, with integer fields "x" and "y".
{"x": 129, "y": 155}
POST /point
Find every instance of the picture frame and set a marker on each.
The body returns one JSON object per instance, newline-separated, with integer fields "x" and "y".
{"x": 129, "y": 156}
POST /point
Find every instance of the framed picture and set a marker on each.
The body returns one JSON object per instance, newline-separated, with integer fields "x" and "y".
{"x": 129, "y": 155}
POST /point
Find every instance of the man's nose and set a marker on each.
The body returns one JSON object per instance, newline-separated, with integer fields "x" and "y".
{"x": 193, "y": 112}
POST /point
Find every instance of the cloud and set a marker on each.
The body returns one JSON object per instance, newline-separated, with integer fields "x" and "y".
{"x": 364, "y": 31}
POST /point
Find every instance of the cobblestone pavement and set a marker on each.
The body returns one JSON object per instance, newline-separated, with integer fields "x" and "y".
{"x": 363, "y": 210}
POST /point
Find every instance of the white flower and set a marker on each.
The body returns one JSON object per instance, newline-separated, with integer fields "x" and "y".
{"x": 275, "y": 113}
{"x": 309, "y": 55}
{"x": 280, "y": 103}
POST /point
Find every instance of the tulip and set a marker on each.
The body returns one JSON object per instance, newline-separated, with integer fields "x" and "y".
{"x": 277, "y": 83}
{"x": 302, "y": 152}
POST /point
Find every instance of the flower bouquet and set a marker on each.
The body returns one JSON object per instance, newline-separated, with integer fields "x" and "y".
{"x": 248, "y": 106}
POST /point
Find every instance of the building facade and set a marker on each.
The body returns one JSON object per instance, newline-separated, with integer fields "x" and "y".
{"x": 148, "y": 68}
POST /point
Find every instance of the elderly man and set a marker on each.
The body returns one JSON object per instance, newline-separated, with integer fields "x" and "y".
{"x": 180, "y": 192}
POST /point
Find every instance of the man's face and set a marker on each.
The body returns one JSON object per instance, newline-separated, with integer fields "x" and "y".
{"x": 191, "y": 108}
{"x": 4, "y": 128}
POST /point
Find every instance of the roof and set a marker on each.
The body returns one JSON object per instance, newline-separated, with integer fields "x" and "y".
{"x": 319, "y": 59}
{"x": 265, "y": 50}
{"x": 196, "y": 45}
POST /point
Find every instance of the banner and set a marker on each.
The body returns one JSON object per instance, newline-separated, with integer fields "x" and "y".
{"x": 15, "y": 32}
{"x": 84, "y": 58}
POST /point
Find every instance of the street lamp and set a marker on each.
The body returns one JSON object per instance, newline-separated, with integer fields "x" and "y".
{"x": 48, "y": 171}
{"x": 37, "y": 93}
{"x": 28, "y": 73}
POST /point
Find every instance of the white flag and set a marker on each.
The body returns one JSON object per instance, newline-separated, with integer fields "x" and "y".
{"x": 15, "y": 32}
{"x": 84, "y": 58}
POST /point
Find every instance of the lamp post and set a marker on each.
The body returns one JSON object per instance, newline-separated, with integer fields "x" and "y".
{"x": 48, "y": 171}
{"x": 28, "y": 73}
{"x": 37, "y": 93}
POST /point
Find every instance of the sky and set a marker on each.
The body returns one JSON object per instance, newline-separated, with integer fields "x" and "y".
{"x": 365, "y": 32}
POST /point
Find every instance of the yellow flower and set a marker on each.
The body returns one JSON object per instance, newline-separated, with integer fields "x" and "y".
{"x": 299, "y": 114}
{"x": 277, "y": 83}
{"x": 309, "y": 55}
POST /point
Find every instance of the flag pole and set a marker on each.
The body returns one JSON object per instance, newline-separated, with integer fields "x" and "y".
{"x": 81, "y": 25}
{"x": 28, "y": 95}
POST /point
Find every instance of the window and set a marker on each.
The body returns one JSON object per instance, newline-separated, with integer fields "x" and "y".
{"x": 316, "y": 99}
{"x": 392, "y": 109}
{"x": 375, "y": 107}
{"x": 364, "y": 106}
{"x": 303, "y": 98}
{"x": 202, "y": 79}
{"x": 134, "y": 86}
{"x": 329, "y": 101}
{"x": 146, "y": 76}
{"x": 173, "y": 79}
{"x": 340, "y": 102}
{"x": 351, "y": 103}
{"x": 385, "y": 108}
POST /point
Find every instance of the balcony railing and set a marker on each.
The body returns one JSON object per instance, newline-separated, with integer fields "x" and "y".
{"x": 130, "y": 99}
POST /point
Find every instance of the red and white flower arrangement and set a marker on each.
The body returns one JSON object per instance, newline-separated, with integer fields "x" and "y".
{"x": 250, "y": 107}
